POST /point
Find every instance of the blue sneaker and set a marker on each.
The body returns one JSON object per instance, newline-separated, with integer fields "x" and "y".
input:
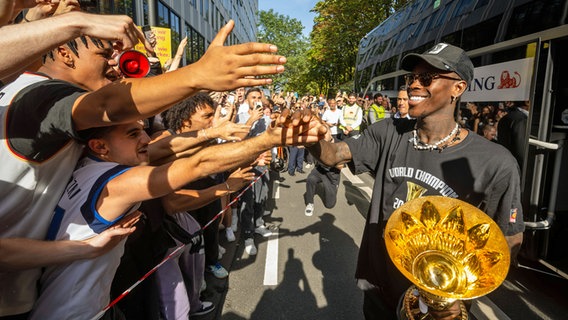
{"x": 217, "y": 270}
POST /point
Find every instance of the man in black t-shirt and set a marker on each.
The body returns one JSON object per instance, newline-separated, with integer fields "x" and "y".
{"x": 431, "y": 155}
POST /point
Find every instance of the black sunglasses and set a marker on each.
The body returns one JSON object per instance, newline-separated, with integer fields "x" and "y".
{"x": 426, "y": 78}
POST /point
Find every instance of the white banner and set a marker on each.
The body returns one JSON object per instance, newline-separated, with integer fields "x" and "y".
{"x": 507, "y": 81}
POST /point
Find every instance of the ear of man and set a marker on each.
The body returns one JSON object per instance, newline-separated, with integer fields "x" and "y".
{"x": 187, "y": 123}
{"x": 459, "y": 88}
{"x": 98, "y": 146}
{"x": 65, "y": 55}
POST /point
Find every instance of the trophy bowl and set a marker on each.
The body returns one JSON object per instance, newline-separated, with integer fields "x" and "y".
{"x": 449, "y": 249}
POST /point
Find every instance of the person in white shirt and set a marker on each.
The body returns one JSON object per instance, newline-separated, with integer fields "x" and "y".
{"x": 331, "y": 117}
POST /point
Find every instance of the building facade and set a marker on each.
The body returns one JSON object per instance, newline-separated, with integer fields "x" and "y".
{"x": 199, "y": 20}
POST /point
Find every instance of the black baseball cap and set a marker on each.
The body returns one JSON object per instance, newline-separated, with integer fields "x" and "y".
{"x": 442, "y": 56}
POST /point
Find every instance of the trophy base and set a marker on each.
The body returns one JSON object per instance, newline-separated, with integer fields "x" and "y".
{"x": 410, "y": 309}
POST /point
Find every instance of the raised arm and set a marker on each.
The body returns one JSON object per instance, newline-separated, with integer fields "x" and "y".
{"x": 331, "y": 154}
{"x": 24, "y": 43}
{"x": 221, "y": 68}
{"x": 23, "y": 253}
{"x": 147, "y": 182}
{"x": 186, "y": 199}
{"x": 179, "y": 54}
{"x": 170, "y": 147}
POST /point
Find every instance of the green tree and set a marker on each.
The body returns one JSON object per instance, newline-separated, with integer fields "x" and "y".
{"x": 286, "y": 34}
{"x": 339, "y": 26}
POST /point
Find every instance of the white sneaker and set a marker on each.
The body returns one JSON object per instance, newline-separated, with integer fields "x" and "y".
{"x": 309, "y": 209}
{"x": 250, "y": 248}
{"x": 221, "y": 252}
{"x": 230, "y": 234}
{"x": 263, "y": 231}
{"x": 206, "y": 307}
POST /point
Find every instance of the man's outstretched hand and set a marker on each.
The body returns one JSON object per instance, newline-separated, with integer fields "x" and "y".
{"x": 242, "y": 65}
{"x": 300, "y": 128}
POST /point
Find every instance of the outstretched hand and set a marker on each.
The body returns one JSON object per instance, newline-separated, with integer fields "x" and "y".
{"x": 300, "y": 128}
{"x": 111, "y": 237}
{"x": 225, "y": 129}
{"x": 263, "y": 159}
{"x": 240, "y": 178}
{"x": 242, "y": 65}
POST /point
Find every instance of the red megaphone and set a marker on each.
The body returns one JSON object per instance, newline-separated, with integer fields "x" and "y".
{"x": 133, "y": 64}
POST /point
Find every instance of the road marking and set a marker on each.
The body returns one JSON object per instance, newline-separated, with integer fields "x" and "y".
{"x": 484, "y": 309}
{"x": 271, "y": 264}
{"x": 367, "y": 191}
{"x": 351, "y": 177}
{"x": 276, "y": 190}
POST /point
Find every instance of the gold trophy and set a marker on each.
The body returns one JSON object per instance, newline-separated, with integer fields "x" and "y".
{"x": 449, "y": 249}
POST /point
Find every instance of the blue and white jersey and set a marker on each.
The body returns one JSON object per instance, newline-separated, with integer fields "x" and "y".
{"x": 38, "y": 151}
{"x": 79, "y": 290}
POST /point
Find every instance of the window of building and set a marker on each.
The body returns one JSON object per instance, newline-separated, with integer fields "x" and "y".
{"x": 125, "y": 7}
{"x": 145, "y": 12}
{"x": 201, "y": 41}
{"x": 168, "y": 19}
{"x": 163, "y": 15}
{"x": 175, "y": 26}
{"x": 206, "y": 10}
{"x": 194, "y": 45}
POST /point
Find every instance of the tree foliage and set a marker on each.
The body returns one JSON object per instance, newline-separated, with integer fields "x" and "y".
{"x": 339, "y": 26}
{"x": 286, "y": 34}
{"x": 327, "y": 61}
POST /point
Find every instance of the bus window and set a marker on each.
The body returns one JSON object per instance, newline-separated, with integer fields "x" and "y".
{"x": 463, "y": 7}
{"x": 534, "y": 16}
{"x": 482, "y": 34}
{"x": 441, "y": 18}
{"x": 481, "y": 3}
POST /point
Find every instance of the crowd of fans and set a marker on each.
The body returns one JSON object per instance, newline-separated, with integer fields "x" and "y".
{"x": 104, "y": 175}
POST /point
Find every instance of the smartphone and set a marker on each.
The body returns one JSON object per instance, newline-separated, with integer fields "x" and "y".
{"x": 231, "y": 99}
{"x": 147, "y": 31}
{"x": 258, "y": 105}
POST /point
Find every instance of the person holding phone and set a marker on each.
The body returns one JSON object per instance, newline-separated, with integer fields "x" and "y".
{"x": 253, "y": 200}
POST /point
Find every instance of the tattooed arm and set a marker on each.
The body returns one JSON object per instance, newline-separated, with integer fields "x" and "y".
{"x": 331, "y": 154}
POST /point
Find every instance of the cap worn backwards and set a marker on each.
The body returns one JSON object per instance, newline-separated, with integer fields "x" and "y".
{"x": 444, "y": 57}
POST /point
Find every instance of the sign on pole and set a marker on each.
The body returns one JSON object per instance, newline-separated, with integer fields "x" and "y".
{"x": 507, "y": 81}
